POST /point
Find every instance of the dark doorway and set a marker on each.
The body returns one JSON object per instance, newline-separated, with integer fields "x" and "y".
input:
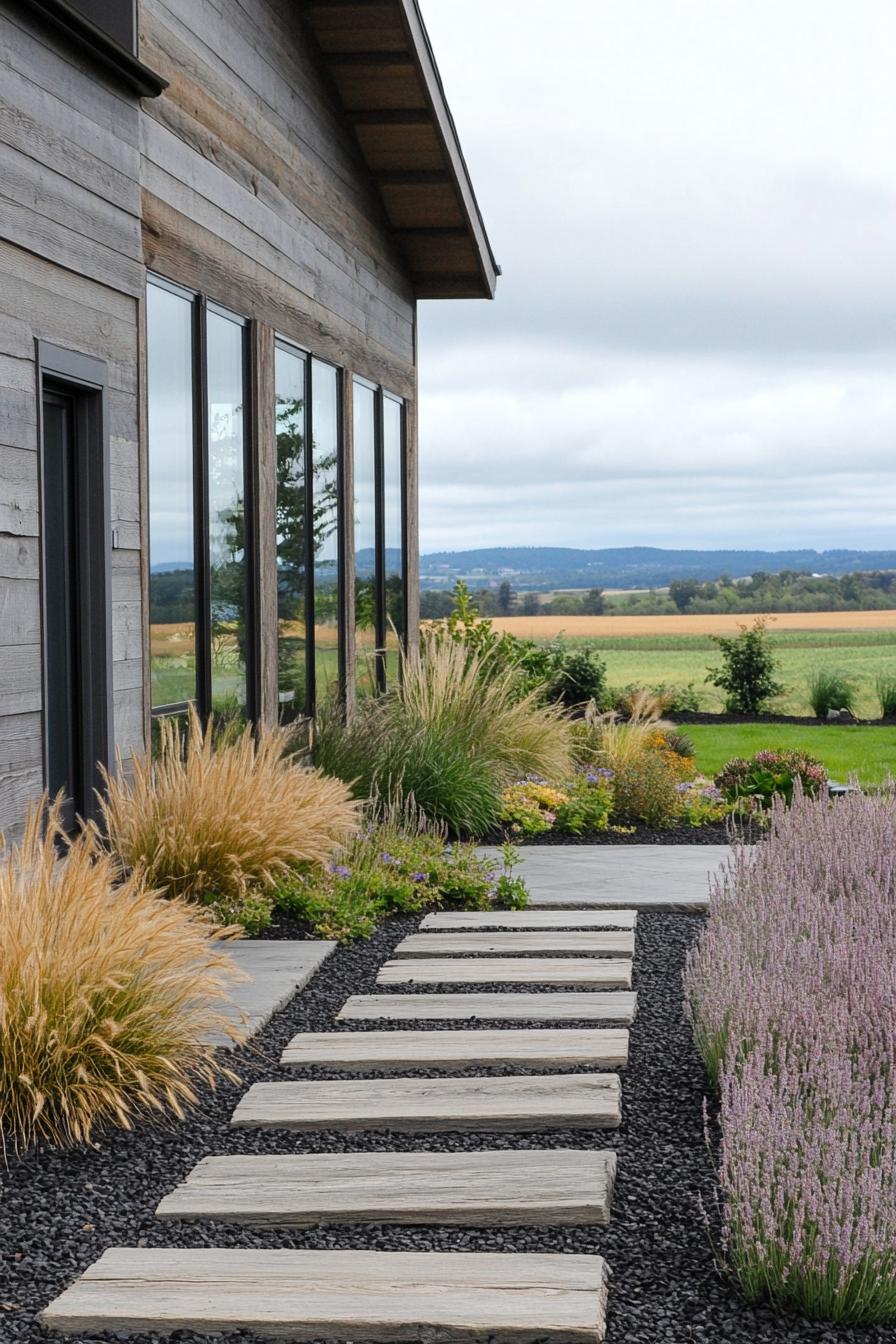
{"x": 75, "y": 529}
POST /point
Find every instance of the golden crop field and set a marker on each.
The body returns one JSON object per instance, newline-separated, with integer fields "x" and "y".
{"x": 608, "y": 627}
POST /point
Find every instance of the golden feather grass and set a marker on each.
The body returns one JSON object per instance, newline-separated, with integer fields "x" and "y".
{"x": 107, "y": 992}
{"x": 478, "y": 701}
{"x": 205, "y": 819}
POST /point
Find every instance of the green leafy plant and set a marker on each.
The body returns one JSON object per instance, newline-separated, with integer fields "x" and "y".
{"x": 770, "y": 774}
{"x": 510, "y": 893}
{"x": 829, "y": 690}
{"x": 748, "y": 671}
{"x": 401, "y": 865}
{"x": 453, "y": 732}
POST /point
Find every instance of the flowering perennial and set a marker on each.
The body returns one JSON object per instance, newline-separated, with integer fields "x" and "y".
{"x": 792, "y": 995}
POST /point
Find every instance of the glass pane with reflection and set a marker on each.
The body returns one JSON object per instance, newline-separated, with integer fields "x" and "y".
{"x": 325, "y": 504}
{"x": 364, "y": 411}
{"x": 172, "y": 588}
{"x": 393, "y": 528}
{"x": 289, "y": 387}
{"x": 228, "y": 586}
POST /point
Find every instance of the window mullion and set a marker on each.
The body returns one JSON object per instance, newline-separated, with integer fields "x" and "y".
{"x": 201, "y": 495}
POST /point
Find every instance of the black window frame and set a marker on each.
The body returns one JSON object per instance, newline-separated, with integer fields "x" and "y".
{"x": 82, "y": 379}
{"x": 201, "y": 306}
{"x": 310, "y": 359}
{"x": 381, "y": 620}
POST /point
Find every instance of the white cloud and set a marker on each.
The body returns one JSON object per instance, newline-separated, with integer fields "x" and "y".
{"x": 694, "y": 341}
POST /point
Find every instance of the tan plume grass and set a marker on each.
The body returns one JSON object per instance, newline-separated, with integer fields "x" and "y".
{"x": 479, "y": 702}
{"x": 107, "y": 992}
{"x": 220, "y": 819}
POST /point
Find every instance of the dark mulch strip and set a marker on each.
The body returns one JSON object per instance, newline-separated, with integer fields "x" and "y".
{"x": 715, "y": 834}
{"x": 703, "y": 716}
{"x": 59, "y": 1211}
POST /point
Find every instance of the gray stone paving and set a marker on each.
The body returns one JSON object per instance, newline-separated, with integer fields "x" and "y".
{"x": 276, "y": 969}
{"x": 641, "y": 877}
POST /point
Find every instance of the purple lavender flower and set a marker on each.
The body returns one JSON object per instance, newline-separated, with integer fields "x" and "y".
{"x": 389, "y": 859}
{"x": 419, "y": 877}
{"x": 339, "y": 870}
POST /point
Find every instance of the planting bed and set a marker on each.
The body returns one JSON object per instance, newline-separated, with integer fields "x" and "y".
{"x": 59, "y": 1211}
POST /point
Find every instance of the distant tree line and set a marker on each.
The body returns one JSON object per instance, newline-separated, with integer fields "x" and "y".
{"x": 789, "y": 590}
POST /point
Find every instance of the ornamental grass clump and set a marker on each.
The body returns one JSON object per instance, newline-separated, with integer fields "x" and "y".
{"x": 791, "y": 991}
{"x": 219, "y": 822}
{"x": 107, "y": 992}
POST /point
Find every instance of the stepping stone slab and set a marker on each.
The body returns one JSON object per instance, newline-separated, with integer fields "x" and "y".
{"x": 577, "y": 1006}
{"x": 380, "y": 1297}
{"x": 487, "y": 1188}
{"x": 649, "y": 900}
{"x": 609, "y": 943}
{"x": 269, "y": 973}
{"x": 411, "y": 1105}
{"x": 545, "y": 1047}
{"x": 529, "y": 919}
{"x": 605, "y": 972}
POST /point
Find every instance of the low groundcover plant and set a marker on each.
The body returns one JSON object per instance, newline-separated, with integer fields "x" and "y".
{"x": 399, "y": 864}
{"x": 791, "y": 992}
{"x": 107, "y": 992}
{"x": 770, "y": 774}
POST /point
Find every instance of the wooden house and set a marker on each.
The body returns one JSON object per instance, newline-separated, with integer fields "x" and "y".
{"x": 216, "y": 220}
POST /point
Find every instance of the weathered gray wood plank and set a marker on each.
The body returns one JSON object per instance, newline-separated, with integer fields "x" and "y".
{"x": 388, "y": 1051}
{"x": 603, "y": 972}
{"x": 500, "y": 1188}
{"x": 577, "y": 1006}
{"x": 529, "y": 919}
{"x": 376, "y": 1296}
{"x": 611, "y": 943}
{"x": 522, "y": 1104}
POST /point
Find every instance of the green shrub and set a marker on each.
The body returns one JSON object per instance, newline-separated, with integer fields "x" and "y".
{"x": 747, "y": 674}
{"x": 670, "y": 699}
{"x": 645, "y": 790}
{"x": 396, "y": 866}
{"x": 831, "y": 690}
{"x": 769, "y": 774}
{"x": 453, "y": 733}
{"x": 886, "y": 695}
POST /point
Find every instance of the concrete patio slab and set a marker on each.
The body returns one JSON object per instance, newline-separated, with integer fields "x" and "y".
{"x": 276, "y": 969}
{"x": 640, "y": 877}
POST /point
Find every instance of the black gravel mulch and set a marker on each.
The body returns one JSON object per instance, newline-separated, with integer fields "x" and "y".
{"x": 715, "y": 833}
{"x": 59, "y": 1211}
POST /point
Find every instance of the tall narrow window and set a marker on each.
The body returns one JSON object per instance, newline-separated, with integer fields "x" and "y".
{"x": 172, "y": 575}
{"x": 325, "y": 524}
{"x": 201, "y": 615}
{"x": 227, "y": 545}
{"x": 393, "y": 524}
{"x": 292, "y": 579}
{"x": 364, "y": 405}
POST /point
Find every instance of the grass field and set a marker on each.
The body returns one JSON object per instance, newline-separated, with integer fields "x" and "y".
{"x": 869, "y": 753}
{"x": 649, "y": 650}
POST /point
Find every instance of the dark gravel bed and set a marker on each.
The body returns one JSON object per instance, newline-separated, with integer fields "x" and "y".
{"x": 59, "y": 1211}
{"x": 716, "y": 833}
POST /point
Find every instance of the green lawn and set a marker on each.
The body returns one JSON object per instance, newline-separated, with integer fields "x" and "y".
{"x": 683, "y": 660}
{"x": 868, "y": 752}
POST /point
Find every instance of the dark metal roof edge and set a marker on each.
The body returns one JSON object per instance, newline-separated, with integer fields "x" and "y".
{"x": 103, "y": 48}
{"x": 432, "y": 80}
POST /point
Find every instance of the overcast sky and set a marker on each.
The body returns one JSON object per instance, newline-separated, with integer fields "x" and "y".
{"x": 694, "y": 339}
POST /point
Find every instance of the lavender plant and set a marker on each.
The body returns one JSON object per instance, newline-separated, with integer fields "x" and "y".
{"x": 792, "y": 995}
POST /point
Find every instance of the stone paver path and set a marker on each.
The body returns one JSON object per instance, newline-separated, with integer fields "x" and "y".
{"x": 640, "y": 877}
{"x": 273, "y": 972}
{"x": 554, "y": 1186}
{"x": 578, "y": 1006}
{"x": 421, "y": 1105}
{"x": 390, "y": 1297}
{"x": 390, "y": 1051}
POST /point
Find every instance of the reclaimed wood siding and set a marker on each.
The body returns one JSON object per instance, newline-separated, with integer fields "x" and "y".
{"x": 71, "y": 272}
{"x": 255, "y": 192}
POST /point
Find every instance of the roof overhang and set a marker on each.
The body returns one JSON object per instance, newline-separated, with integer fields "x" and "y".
{"x": 381, "y": 62}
